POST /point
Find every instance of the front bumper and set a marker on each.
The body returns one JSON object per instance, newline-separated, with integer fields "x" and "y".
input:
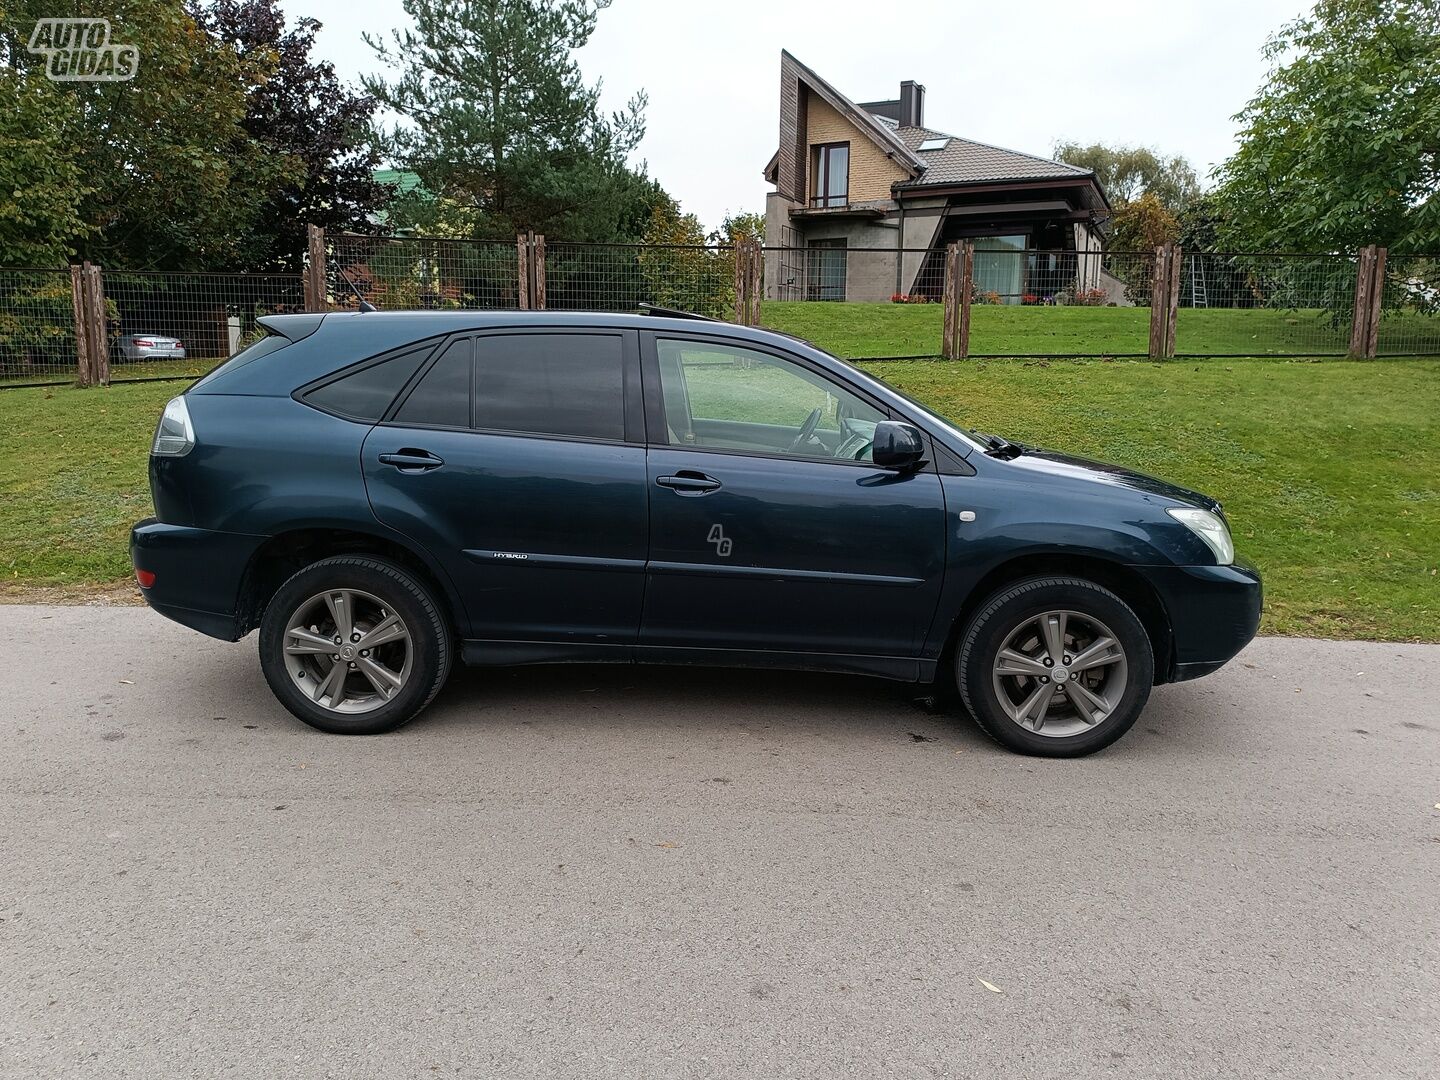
{"x": 198, "y": 574}
{"x": 1214, "y": 613}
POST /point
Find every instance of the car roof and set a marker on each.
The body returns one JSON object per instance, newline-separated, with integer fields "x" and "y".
{"x": 322, "y": 342}
{"x": 426, "y": 323}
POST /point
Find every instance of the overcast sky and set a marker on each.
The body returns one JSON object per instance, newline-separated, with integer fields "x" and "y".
{"x": 1164, "y": 73}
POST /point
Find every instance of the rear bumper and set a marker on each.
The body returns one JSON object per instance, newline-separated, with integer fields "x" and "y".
{"x": 1214, "y": 613}
{"x": 198, "y": 574}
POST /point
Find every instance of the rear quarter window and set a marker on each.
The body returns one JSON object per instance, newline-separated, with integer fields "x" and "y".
{"x": 366, "y": 393}
{"x": 264, "y": 347}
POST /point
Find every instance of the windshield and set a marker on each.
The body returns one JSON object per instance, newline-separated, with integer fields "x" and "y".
{"x": 930, "y": 414}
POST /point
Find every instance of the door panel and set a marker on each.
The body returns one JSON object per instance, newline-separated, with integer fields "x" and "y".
{"x": 544, "y": 525}
{"x": 796, "y": 555}
{"x": 765, "y": 537}
{"x": 544, "y": 539}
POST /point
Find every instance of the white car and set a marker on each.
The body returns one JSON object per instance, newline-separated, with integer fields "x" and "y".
{"x": 151, "y": 347}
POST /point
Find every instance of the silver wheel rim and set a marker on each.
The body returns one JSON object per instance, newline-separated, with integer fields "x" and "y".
{"x": 1060, "y": 673}
{"x": 347, "y": 651}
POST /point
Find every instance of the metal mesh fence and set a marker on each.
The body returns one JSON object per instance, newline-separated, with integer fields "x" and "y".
{"x": 1410, "y": 307}
{"x": 620, "y": 277}
{"x": 1263, "y": 305}
{"x": 37, "y": 327}
{"x": 858, "y": 303}
{"x": 1009, "y": 288}
{"x": 161, "y": 324}
{"x": 409, "y": 273}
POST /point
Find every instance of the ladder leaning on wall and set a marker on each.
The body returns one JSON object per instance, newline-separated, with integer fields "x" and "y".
{"x": 1199, "y": 297}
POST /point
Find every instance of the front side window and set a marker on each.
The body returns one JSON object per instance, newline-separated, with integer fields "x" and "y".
{"x": 725, "y": 397}
{"x": 551, "y": 384}
{"x": 830, "y": 175}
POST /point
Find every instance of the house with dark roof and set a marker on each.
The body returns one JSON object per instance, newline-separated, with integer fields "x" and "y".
{"x": 867, "y": 196}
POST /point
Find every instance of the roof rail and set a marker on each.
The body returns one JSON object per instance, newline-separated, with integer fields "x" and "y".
{"x": 672, "y": 313}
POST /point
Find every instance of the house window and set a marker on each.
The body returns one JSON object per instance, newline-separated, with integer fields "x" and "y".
{"x": 830, "y": 175}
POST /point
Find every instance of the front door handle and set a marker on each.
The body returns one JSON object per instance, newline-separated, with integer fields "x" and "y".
{"x": 688, "y": 482}
{"x": 411, "y": 460}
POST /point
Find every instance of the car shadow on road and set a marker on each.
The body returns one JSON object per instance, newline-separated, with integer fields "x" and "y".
{"x": 585, "y": 700}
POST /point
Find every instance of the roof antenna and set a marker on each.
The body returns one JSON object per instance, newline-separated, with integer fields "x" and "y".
{"x": 365, "y": 305}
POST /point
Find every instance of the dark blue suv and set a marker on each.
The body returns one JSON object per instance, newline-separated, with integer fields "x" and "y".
{"x": 377, "y": 492}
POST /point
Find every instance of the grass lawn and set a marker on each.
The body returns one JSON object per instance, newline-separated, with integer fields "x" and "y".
{"x": 1330, "y": 471}
{"x": 149, "y": 369}
{"x": 862, "y": 330}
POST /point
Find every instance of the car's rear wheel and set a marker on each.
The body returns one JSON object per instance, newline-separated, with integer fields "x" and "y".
{"x": 354, "y": 645}
{"x": 1055, "y": 666}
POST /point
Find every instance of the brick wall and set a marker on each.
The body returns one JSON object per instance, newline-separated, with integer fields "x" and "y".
{"x": 871, "y": 172}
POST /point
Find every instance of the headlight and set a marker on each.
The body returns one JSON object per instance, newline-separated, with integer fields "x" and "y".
{"x": 174, "y": 437}
{"x": 1210, "y": 528}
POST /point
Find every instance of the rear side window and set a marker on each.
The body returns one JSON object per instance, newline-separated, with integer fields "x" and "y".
{"x": 442, "y": 397}
{"x": 367, "y": 393}
{"x": 551, "y": 384}
{"x": 254, "y": 351}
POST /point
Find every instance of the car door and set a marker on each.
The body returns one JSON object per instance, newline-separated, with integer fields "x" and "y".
{"x": 770, "y": 528}
{"x": 517, "y": 459}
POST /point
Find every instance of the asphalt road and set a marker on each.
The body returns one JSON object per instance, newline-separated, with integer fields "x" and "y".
{"x": 628, "y": 872}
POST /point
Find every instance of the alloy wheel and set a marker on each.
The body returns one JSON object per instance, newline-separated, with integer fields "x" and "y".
{"x": 347, "y": 651}
{"x": 1060, "y": 673}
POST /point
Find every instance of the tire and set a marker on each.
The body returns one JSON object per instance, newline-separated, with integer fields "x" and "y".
{"x": 411, "y": 645}
{"x": 1017, "y": 702}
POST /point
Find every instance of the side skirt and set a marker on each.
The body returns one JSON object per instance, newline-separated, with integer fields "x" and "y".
{"x": 513, "y": 653}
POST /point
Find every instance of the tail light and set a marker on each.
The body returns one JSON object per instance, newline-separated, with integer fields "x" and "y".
{"x": 174, "y": 437}
{"x": 146, "y": 578}
{"x": 144, "y": 343}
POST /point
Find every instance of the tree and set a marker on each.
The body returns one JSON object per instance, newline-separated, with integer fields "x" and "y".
{"x": 40, "y": 220}
{"x": 1128, "y": 172}
{"x": 746, "y": 225}
{"x": 170, "y": 177}
{"x": 1340, "y": 147}
{"x": 1143, "y": 225}
{"x": 499, "y": 123}
{"x": 299, "y": 111}
{"x": 680, "y": 270}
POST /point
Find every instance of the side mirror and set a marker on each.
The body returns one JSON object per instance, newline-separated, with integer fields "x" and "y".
{"x": 897, "y": 446}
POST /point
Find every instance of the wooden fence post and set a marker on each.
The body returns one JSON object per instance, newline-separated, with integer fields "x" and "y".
{"x": 741, "y": 254}
{"x": 749, "y": 281}
{"x": 1360, "y": 317}
{"x": 316, "y": 280}
{"x": 1172, "y": 299}
{"x": 82, "y": 332}
{"x": 97, "y": 324}
{"x": 522, "y": 270}
{"x": 537, "y": 270}
{"x": 1159, "y": 302}
{"x": 950, "y": 296}
{"x": 756, "y": 289}
{"x": 967, "y": 287}
{"x": 1377, "y": 301}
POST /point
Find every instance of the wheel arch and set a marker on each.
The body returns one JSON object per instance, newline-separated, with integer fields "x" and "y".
{"x": 1124, "y": 581}
{"x": 280, "y": 556}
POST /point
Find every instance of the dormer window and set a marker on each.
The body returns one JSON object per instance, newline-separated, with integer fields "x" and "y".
{"x": 830, "y": 175}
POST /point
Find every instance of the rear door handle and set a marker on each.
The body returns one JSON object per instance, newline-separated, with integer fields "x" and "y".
{"x": 410, "y": 460}
{"x": 687, "y": 482}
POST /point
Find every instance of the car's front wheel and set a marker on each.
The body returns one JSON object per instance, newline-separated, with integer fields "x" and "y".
{"x": 1055, "y": 666}
{"x": 354, "y": 645}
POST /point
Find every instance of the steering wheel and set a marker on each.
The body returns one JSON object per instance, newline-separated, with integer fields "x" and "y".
{"x": 806, "y": 430}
